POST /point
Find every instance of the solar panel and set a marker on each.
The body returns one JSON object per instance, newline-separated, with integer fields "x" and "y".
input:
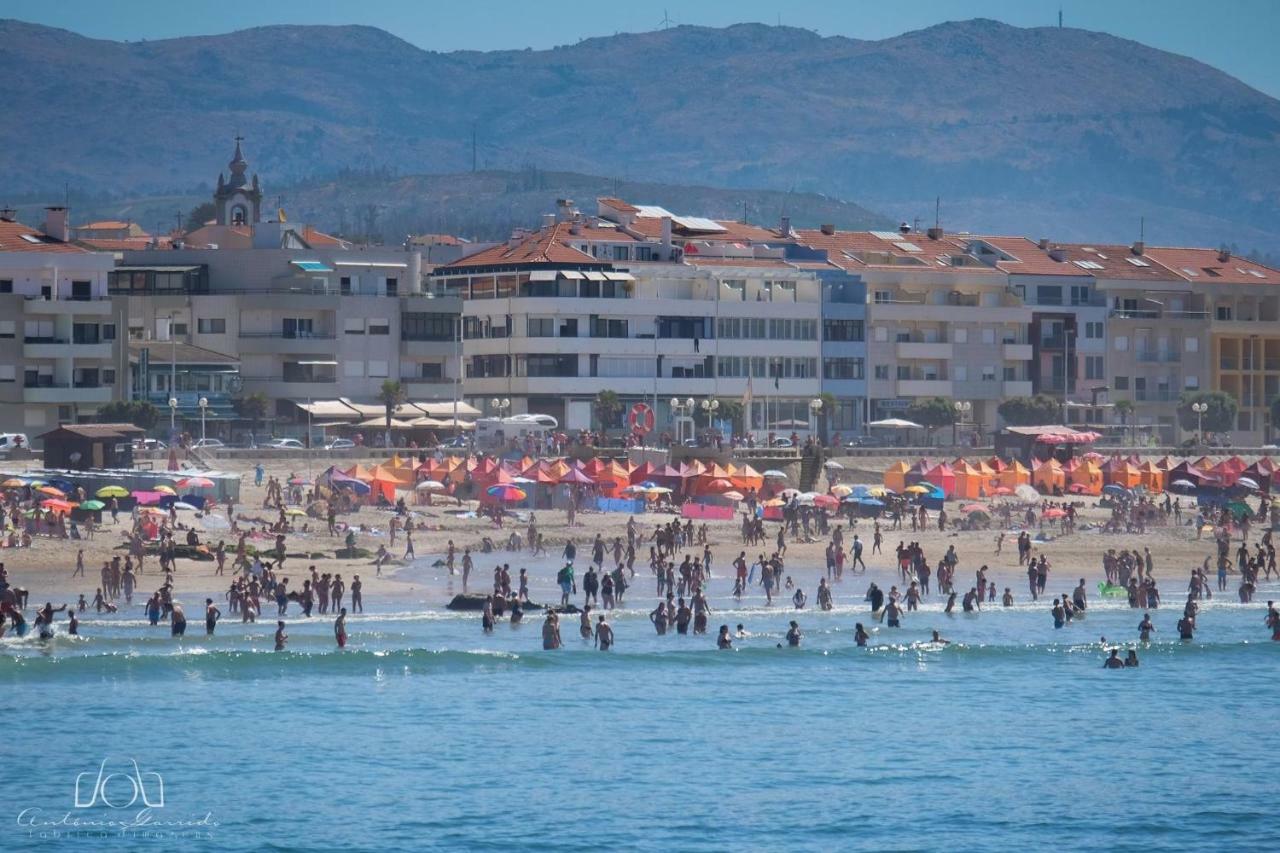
{"x": 697, "y": 223}
{"x": 908, "y": 247}
{"x": 886, "y": 235}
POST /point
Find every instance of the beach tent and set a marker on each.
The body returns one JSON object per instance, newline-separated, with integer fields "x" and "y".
{"x": 1261, "y": 472}
{"x": 971, "y": 482}
{"x": 1151, "y": 476}
{"x": 1125, "y": 474}
{"x": 359, "y": 472}
{"x": 1229, "y": 470}
{"x": 1204, "y": 463}
{"x": 916, "y": 473}
{"x": 995, "y": 463}
{"x": 1014, "y": 474}
{"x": 1048, "y": 476}
{"x": 943, "y": 476}
{"x": 746, "y": 477}
{"x": 1087, "y": 476}
{"x": 1166, "y": 463}
{"x": 895, "y": 476}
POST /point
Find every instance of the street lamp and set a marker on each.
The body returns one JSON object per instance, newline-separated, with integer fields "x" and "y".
{"x": 1200, "y": 409}
{"x": 203, "y": 403}
{"x": 500, "y": 406}
{"x": 709, "y": 409}
{"x": 173, "y": 416}
{"x": 681, "y": 410}
{"x": 815, "y": 409}
{"x": 963, "y": 407}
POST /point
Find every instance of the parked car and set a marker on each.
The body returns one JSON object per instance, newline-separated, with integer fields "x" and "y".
{"x": 149, "y": 444}
{"x": 456, "y": 443}
{"x": 782, "y": 442}
{"x": 340, "y": 444}
{"x": 284, "y": 444}
{"x": 869, "y": 441}
{"x": 207, "y": 444}
{"x": 13, "y": 441}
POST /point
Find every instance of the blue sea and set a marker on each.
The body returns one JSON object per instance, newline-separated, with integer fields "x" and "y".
{"x": 426, "y": 733}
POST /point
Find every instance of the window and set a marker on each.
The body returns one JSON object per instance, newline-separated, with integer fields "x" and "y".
{"x": 989, "y": 373}
{"x": 843, "y": 330}
{"x": 541, "y": 327}
{"x": 881, "y": 334}
{"x": 1122, "y": 343}
{"x": 960, "y": 336}
{"x": 989, "y": 336}
{"x": 211, "y": 326}
{"x": 6, "y": 285}
{"x": 1010, "y": 374}
{"x": 734, "y": 289}
{"x": 882, "y": 371}
{"x": 8, "y": 373}
{"x": 548, "y": 365}
{"x": 108, "y": 331}
{"x": 379, "y": 326}
{"x": 604, "y": 327}
{"x": 353, "y": 326}
{"x": 1191, "y": 344}
{"x": 353, "y": 369}
{"x": 422, "y": 326}
{"x": 1191, "y": 382}
{"x": 297, "y": 327}
{"x": 85, "y": 333}
{"x": 8, "y": 328}
{"x": 1093, "y": 330}
{"x": 81, "y": 291}
{"x": 904, "y": 372}
{"x": 843, "y": 368}
{"x": 1224, "y": 312}
{"x": 1049, "y": 294}
{"x": 960, "y": 373}
{"x": 1121, "y": 383}
{"x": 344, "y": 285}
{"x": 179, "y": 329}
{"x": 393, "y": 286}
{"x": 431, "y": 370}
{"x": 377, "y": 370}
{"x": 1079, "y": 294}
{"x": 883, "y": 296}
{"x": 108, "y": 377}
{"x": 1093, "y": 367}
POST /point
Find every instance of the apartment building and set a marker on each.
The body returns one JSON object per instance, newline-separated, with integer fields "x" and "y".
{"x": 648, "y": 304}
{"x": 60, "y": 353}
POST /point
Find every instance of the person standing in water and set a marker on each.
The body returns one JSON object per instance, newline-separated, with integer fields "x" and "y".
{"x": 860, "y": 635}
{"x": 211, "y": 616}
{"x": 1145, "y": 628}
{"x": 340, "y": 628}
{"x": 794, "y": 635}
{"x": 551, "y": 631}
{"x": 604, "y": 635}
{"x": 724, "y": 641}
{"x": 281, "y": 636}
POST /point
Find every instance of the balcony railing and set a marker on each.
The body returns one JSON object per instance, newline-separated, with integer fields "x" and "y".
{"x": 276, "y": 377}
{"x": 292, "y": 336}
{"x": 1159, "y": 357}
{"x": 1156, "y": 396}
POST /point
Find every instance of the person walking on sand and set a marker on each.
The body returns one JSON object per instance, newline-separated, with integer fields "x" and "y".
{"x": 408, "y": 545}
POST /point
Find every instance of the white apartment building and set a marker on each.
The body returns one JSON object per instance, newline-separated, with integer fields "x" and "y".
{"x": 60, "y": 353}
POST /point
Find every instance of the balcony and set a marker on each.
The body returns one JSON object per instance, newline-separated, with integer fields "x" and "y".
{"x": 36, "y": 348}
{"x": 1016, "y": 388}
{"x": 1156, "y": 396}
{"x": 933, "y": 351}
{"x": 67, "y": 394}
{"x": 284, "y": 344}
{"x": 1158, "y": 357}
{"x": 94, "y": 307}
{"x": 1017, "y": 352}
{"x": 1053, "y": 342}
{"x": 924, "y": 388}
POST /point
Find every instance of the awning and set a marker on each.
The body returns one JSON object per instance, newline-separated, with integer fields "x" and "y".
{"x": 316, "y": 362}
{"x": 312, "y": 266}
{"x": 619, "y": 276}
{"x": 445, "y": 410}
{"x": 542, "y": 275}
{"x": 327, "y": 409}
{"x": 369, "y": 264}
{"x": 595, "y": 276}
{"x": 571, "y": 275}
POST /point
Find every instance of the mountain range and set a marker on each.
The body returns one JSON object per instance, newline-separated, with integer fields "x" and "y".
{"x": 1052, "y": 132}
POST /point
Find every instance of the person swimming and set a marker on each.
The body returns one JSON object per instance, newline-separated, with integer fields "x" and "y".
{"x": 794, "y": 635}
{"x": 1113, "y": 661}
{"x": 724, "y": 641}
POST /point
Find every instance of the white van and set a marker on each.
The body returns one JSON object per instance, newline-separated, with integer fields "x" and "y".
{"x": 494, "y": 432}
{"x": 13, "y": 441}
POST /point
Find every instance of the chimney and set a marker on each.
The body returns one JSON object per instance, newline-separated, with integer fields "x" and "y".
{"x": 575, "y": 224}
{"x": 8, "y": 214}
{"x": 1044, "y": 244}
{"x": 1058, "y": 254}
{"x": 514, "y": 239}
{"x": 548, "y": 219}
{"x": 904, "y": 228}
{"x": 934, "y": 233}
{"x": 55, "y": 223}
{"x": 1224, "y": 254}
{"x": 1138, "y": 247}
{"x": 828, "y": 228}
{"x": 784, "y": 227}
{"x": 666, "y": 238}
{"x": 564, "y": 209}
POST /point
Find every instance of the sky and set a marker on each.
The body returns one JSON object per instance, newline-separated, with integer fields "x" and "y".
{"x": 1236, "y": 36}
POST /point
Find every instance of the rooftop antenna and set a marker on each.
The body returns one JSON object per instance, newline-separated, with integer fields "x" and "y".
{"x": 666, "y": 21}
{"x": 1142, "y": 229}
{"x": 937, "y": 212}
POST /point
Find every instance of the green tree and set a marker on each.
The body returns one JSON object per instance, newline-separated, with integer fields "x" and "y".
{"x": 931, "y": 413}
{"x": 199, "y": 215}
{"x": 607, "y": 408}
{"x": 253, "y": 408}
{"x": 392, "y": 395}
{"x": 1124, "y": 410}
{"x": 1219, "y": 417}
{"x": 140, "y": 413}
{"x": 1030, "y": 411}
{"x": 732, "y": 411}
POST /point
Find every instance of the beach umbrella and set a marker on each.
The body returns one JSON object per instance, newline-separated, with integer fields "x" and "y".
{"x": 13, "y": 483}
{"x": 870, "y": 502}
{"x": 58, "y": 505}
{"x": 826, "y": 501}
{"x": 917, "y": 490}
{"x": 658, "y": 490}
{"x": 146, "y": 498}
{"x": 973, "y": 508}
{"x": 719, "y": 484}
{"x": 1115, "y": 489}
{"x": 772, "y": 474}
{"x": 299, "y": 481}
{"x": 430, "y": 486}
{"x": 733, "y": 496}
{"x": 112, "y": 492}
{"x": 831, "y": 463}
{"x": 842, "y": 491}
{"x": 183, "y": 505}
{"x": 196, "y": 483}
{"x": 1053, "y": 513}
{"x": 1247, "y": 482}
{"x": 1077, "y": 488}
{"x": 92, "y": 505}
{"x": 506, "y": 492}
{"x": 52, "y": 491}
{"x": 879, "y": 491}
{"x": 1182, "y": 484}
{"x": 164, "y": 490}
{"x": 1002, "y": 491}
{"x": 151, "y": 510}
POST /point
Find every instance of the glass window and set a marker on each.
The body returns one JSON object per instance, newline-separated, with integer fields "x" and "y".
{"x": 211, "y": 326}
{"x": 379, "y": 326}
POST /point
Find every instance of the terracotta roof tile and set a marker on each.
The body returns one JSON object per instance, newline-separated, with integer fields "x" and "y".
{"x": 1208, "y": 268}
{"x": 544, "y": 246}
{"x": 16, "y": 237}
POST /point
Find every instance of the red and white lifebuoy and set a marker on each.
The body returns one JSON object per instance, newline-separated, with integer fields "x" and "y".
{"x": 641, "y": 418}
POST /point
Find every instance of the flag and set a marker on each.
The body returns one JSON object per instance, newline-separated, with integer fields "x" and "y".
{"x": 746, "y": 396}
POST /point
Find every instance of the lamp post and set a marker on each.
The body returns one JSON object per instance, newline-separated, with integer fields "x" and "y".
{"x": 203, "y": 403}
{"x": 963, "y": 407}
{"x": 709, "y": 409}
{"x": 173, "y": 417}
{"x": 1199, "y": 409}
{"x": 1067, "y": 335}
{"x": 815, "y": 409}
{"x": 681, "y": 410}
{"x": 500, "y": 406}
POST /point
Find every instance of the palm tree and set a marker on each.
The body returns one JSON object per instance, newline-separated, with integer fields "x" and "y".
{"x": 607, "y": 407}
{"x": 392, "y": 395}
{"x": 1124, "y": 408}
